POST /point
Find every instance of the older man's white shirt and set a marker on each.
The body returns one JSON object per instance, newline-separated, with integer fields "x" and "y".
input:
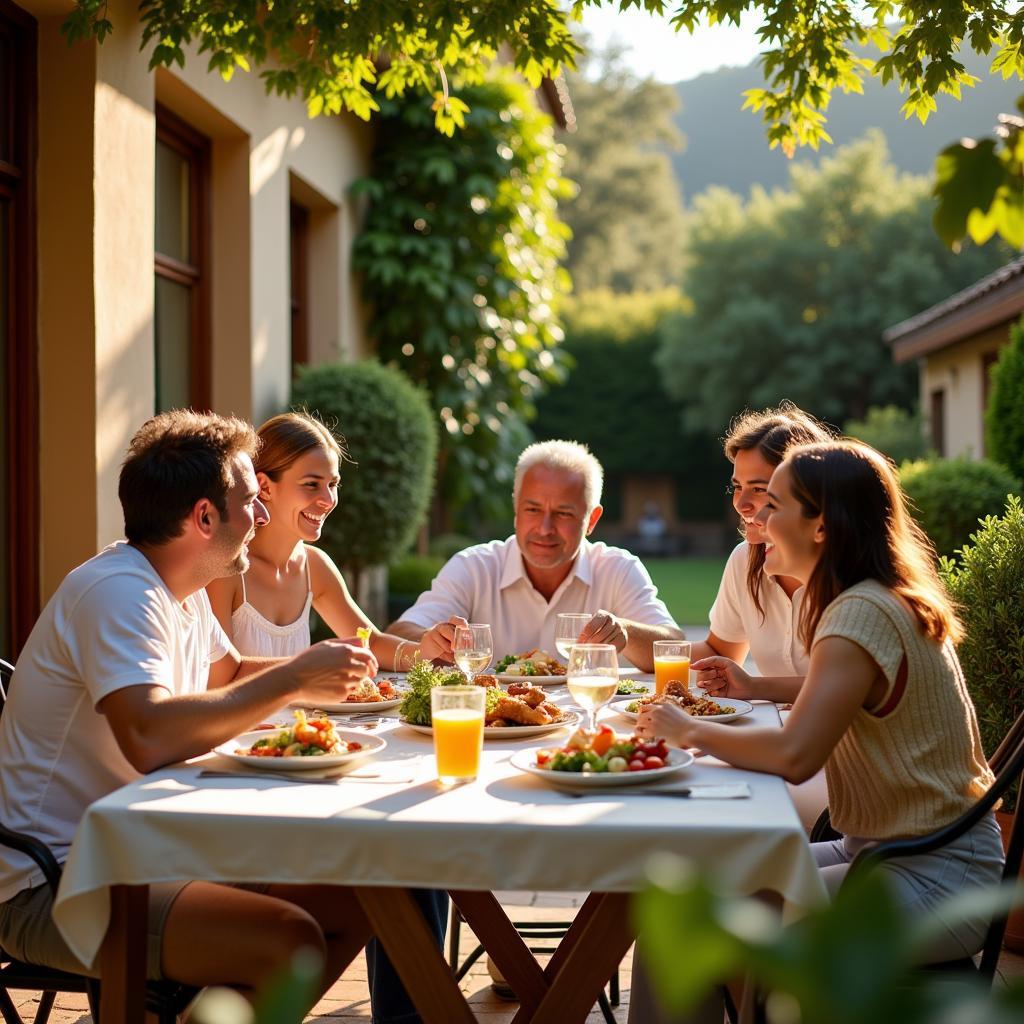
{"x": 488, "y": 583}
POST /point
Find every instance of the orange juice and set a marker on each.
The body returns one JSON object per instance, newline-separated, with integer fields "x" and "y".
{"x": 668, "y": 669}
{"x": 458, "y": 739}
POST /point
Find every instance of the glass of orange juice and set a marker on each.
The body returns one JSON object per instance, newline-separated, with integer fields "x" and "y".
{"x": 457, "y": 716}
{"x": 671, "y": 662}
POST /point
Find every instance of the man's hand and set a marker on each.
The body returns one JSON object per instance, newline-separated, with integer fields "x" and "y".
{"x": 331, "y": 670}
{"x": 436, "y": 642}
{"x": 605, "y": 628}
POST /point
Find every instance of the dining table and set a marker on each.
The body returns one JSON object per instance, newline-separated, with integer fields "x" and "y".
{"x": 387, "y": 826}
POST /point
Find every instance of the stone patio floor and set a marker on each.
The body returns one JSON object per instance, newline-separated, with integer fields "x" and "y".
{"x": 348, "y": 1000}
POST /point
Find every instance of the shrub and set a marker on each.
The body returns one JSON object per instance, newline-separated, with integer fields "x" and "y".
{"x": 987, "y": 582}
{"x": 413, "y": 574}
{"x": 893, "y": 431}
{"x": 391, "y": 438}
{"x": 1004, "y": 417}
{"x": 949, "y": 496}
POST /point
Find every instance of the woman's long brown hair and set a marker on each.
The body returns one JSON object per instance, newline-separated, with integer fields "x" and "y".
{"x": 869, "y": 534}
{"x": 285, "y": 437}
{"x": 772, "y": 432}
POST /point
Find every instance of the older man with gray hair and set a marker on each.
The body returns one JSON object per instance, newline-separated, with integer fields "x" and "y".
{"x": 548, "y": 566}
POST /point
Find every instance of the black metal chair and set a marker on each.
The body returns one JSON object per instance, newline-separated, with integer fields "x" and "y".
{"x": 549, "y": 931}
{"x": 165, "y": 999}
{"x": 1008, "y": 764}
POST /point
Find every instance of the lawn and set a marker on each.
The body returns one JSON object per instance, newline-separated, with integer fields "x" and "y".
{"x": 687, "y": 585}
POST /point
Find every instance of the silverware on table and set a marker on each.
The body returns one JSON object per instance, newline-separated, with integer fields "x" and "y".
{"x": 712, "y": 791}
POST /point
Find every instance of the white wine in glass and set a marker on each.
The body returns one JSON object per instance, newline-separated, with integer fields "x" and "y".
{"x": 473, "y": 648}
{"x": 592, "y": 677}
{"x": 568, "y": 627}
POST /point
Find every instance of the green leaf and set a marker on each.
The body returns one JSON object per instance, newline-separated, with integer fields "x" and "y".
{"x": 967, "y": 175}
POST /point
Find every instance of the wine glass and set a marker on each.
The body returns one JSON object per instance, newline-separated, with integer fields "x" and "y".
{"x": 593, "y": 677}
{"x": 568, "y": 626}
{"x": 472, "y": 647}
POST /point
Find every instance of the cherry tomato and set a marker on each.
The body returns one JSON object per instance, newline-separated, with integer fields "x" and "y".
{"x": 637, "y": 766}
{"x": 654, "y": 762}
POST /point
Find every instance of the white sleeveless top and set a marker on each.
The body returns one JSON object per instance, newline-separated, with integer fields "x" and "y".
{"x": 257, "y": 637}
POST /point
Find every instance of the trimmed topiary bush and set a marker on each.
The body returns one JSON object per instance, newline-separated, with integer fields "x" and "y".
{"x": 987, "y": 582}
{"x": 949, "y": 496}
{"x": 391, "y": 437}
{"x": 1004, "y": 417}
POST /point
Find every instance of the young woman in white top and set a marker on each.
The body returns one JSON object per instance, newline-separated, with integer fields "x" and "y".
{"x": 754, "y": 612}
{"x": 266, "y": 610}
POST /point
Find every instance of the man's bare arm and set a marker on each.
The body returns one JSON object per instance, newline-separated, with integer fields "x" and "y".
{"x": 154, "y": 727}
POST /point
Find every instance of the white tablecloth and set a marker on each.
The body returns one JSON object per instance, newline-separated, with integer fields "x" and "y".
{"x": 505, "y": 831}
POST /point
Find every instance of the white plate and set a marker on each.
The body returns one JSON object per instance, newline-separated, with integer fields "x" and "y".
{"x": 742, "y": 708}
{"x": 353, "y": 707}
{"x": 371, "y": 745}
{"x": 526, "y": 761}
{"x": 509, "y": 732}
{"x": 624, "y": 670}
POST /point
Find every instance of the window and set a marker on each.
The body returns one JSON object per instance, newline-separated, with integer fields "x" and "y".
{"x": 300, "y": 284}
{"x": 988, "y": 360}
{"x": 19, "y": 573}
{"x": 938, "y": 420}
{"x": 181, "y": 309}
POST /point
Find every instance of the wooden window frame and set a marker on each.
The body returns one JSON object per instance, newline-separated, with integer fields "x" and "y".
{"x": 937, "y": 420}
{"x": 298, "y": 247}
{"x": 17, "y": 182}
{"x": 195, "y": 274}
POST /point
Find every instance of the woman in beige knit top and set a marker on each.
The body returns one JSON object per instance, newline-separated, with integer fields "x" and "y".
{"x": 883, "y": 707}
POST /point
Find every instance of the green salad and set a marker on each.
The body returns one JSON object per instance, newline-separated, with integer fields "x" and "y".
{"x": 421, "y": 679}
{"x": 627, "y": 686}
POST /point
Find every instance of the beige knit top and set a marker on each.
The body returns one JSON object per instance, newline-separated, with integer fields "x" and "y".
{"x": 920, "y": 765}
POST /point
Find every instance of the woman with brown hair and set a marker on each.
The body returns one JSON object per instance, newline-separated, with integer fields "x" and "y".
{"x": 884, "y": 707}
{"x": 265, "y": 611}
{"x": 755, "y": 612}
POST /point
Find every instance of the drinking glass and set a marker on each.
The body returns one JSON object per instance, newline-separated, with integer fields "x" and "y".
{"x": 671, "y": 662}
{"x": 457, "y": 717}
{"x": 568, "y": 626}
{"x": 472, "y": 647}
{"x": 593, "y": 677}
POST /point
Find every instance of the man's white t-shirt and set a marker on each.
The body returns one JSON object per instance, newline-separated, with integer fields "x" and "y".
{"x": 774, "y": 641}
{"x": 488, "y": 583}
{"x": 112, "y": 623}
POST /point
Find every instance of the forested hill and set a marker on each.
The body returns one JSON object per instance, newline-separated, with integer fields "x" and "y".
{"x": 727, "y": 146}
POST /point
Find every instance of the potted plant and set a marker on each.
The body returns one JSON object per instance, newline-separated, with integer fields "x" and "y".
{"x": 986, "y": 579}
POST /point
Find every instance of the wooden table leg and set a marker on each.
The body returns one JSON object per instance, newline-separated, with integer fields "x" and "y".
{"x": 592, "y": 948}
{"x": 497, "y": 934}
{"x": 123, "y": 957}
{"x": 408, "y": 942}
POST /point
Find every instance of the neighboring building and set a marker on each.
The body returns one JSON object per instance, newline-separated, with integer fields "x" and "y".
{"x": 166, "y": 238}
{"x": 955, "y": 343}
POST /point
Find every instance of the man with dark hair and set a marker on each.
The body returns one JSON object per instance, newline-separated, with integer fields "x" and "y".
{"x": 128, "y": 670}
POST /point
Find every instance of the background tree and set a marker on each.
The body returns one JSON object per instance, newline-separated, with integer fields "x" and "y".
{"x": 460, "y": 262}
{"x": 894, "y": 431}
{"x": 792, "y": 290}
{"x": 1004, "y": 417}
{"x": 616, "y": 402}
{"x": 627, "y": 216}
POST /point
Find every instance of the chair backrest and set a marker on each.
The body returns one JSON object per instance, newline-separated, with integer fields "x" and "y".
{"x": 1008, "y": 764}
{"x": 6, "y": 671}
